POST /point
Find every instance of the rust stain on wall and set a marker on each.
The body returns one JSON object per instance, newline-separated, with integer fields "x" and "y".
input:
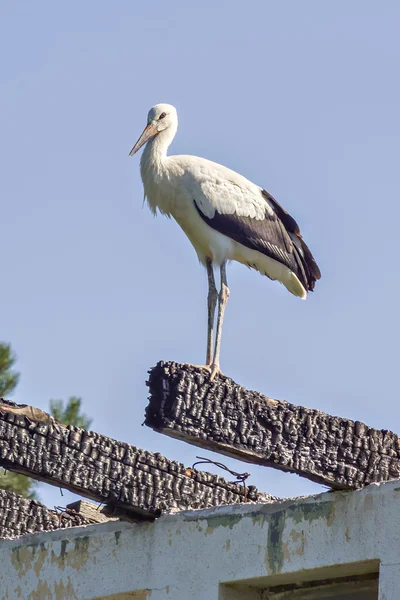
{"x": 74, "y": 554}
{"x": 277, "y": 552}
{"x": 298, "y": 538}
{"x": 60, "y": 591}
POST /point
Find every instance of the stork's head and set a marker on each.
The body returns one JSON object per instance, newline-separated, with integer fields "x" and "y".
{"x": 161, "y": 117}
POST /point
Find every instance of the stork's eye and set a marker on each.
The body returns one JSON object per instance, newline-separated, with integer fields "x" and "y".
{"x": 162, "y": 116}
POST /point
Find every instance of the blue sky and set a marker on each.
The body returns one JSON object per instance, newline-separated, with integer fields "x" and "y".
{"x": 302, "y": 98}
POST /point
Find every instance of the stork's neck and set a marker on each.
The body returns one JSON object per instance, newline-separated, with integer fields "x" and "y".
{"x": 155, "y": 152}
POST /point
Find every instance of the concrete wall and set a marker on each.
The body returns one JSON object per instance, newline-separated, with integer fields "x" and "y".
{"x": 229, "y": 553}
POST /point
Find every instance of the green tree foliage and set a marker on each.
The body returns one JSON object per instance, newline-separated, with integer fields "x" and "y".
{"x": 68, "y": 413}
{"x": 8, "y": 378}
{"x": 20, "y": 484}
{"x": 12, "y": 482}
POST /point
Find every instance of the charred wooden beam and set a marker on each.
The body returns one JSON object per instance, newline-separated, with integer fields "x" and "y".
{"x": 20, "y": 516}
{"x": 224, "y": 417}
{"x": 132, "y": 482}
{"x": 94, "y": 513}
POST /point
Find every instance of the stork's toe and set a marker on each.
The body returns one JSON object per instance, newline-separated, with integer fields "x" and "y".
{"x": 214, "y": 370}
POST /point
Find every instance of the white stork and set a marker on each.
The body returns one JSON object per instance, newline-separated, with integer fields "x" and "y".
{"x": 225, "y": 216}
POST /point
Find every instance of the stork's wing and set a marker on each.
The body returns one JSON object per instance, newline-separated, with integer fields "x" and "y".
{"x": 254, "y": 218}
{"x": 309, "y": 264}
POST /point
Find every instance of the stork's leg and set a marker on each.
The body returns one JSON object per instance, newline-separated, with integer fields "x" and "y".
{"x": 211, "y": 303}
{"x": 222, "y": 300}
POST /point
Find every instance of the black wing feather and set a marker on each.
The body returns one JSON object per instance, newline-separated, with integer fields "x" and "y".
{"x": 277, "y": 236}
{"x": 312, "y": 269}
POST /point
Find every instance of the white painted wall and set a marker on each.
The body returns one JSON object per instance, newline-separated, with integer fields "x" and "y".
{"x": 188, "y": 555}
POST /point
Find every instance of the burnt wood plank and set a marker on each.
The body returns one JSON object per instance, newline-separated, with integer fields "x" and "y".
{"x": 132, "y": 482}
{"x": 224, "y": 417}
{"x": 94, "y": 513}
{"x": 20, "y": 516}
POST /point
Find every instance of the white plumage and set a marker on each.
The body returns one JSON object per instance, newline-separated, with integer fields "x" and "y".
{"x": 224, "y": 215}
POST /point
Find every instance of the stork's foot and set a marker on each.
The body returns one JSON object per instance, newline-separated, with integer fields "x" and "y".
{"x": 213, "y": 369}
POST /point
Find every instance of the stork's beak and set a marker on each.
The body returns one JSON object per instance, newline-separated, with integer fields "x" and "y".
{"x": 147, "y": 134}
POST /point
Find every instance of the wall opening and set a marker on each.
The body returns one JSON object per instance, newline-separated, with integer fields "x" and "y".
{"x": 356, "y": 589}
{"x": 357, "y": 581}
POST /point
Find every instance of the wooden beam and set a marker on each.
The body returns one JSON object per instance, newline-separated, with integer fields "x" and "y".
{"x": 133, "y": 483}
{"x": 94, "y": 513}
{"x": 20, "y": 516}
{"x": 224, "y": 417}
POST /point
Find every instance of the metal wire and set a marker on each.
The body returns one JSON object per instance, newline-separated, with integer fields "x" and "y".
{"x": 240, "y": 477}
